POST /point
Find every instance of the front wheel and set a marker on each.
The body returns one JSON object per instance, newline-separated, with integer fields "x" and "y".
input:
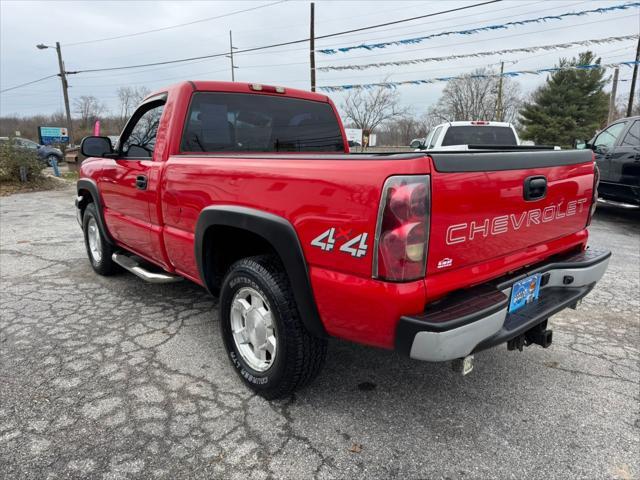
{"x": 99, "y": 250}
{"x": 267, "y": 343}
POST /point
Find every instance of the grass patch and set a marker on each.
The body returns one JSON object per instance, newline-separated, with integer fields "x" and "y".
{"x": 70, "y": 176}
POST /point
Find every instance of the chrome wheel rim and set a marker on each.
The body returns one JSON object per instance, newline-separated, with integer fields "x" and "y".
{"x": 95, "y": 243}
{"x": 253, "y": 329}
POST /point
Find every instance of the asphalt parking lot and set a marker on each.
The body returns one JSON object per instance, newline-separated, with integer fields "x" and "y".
{"x": 115, "y": 378}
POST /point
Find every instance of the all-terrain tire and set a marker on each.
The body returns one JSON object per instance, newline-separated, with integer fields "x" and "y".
{"x": 299, "y": 355}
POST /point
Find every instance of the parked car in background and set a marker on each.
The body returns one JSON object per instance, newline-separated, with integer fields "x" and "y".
{"x": 466, "y": 135}
{"x": 46, "y": 153}
{"x": 617, "y": 153}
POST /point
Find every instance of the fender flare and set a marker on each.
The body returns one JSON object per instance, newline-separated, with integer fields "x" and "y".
{"x": 283, "y": 238}
{"x": 92, "y": 187}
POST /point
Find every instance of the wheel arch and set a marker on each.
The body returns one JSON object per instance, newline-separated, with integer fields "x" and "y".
{"x": 271, "y": 233}
{"x": 88, "y": 193}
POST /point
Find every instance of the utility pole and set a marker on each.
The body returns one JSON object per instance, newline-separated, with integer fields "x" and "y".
{"x": 65, "y": 91}
{"x": 65, "y": 87}
{"x": 612, "y": 99}
{"x": 312, "y": 48}
{"x": 231, "y": 49}
{"x": 499, "y": 100}
{"x": 633, "y": 80}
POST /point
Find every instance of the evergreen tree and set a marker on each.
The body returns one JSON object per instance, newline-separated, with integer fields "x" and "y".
{"x": 570, "y": 105}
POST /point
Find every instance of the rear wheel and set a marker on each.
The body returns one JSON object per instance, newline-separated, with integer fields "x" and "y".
{"x": 99, "y": 250}
{"x": 267, "y": 343}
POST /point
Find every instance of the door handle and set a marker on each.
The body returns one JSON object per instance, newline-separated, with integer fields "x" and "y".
{"x": 141, "y": 182}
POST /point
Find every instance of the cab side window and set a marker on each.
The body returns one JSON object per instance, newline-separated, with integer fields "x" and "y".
{"x": 607, "y": 138}
{"x": 632, "y": 138}
{"x": 139, "y": 138}
{"x": 434, "y": 138}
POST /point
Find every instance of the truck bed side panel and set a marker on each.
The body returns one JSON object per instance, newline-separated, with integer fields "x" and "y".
{"x": 315, "y": 195}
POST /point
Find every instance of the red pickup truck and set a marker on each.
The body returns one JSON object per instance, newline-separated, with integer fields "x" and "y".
{"x": 250, "y": 191}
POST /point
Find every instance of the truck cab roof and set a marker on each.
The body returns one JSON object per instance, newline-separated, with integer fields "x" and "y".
{"x": 241, "y": 87}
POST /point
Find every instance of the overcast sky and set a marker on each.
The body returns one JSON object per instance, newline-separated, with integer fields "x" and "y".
{"x": 24, "y": 24}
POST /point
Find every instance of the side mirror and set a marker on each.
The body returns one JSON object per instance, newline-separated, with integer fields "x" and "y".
{"x": 96, "y": 147}
{"x": 601, "y": 149}
{"x": 580, "y": 144}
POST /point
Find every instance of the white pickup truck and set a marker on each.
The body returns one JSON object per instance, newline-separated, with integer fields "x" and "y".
{"x": 466, "y": 135}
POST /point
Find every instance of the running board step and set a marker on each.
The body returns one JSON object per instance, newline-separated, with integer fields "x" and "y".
{"x": 134, "y": 267}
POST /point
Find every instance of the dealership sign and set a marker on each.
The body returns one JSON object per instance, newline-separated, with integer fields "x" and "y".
{"x": 50, "y": 135}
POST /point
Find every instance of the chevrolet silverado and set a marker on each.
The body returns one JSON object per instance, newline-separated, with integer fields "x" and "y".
{"x": 250, "y": 191}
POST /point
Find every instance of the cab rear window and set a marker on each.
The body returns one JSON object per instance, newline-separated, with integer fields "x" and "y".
{"x": 479, "y": 135}
{"x": 242, "y": 122}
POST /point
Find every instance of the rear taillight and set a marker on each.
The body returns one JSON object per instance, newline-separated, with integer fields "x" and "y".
{"x": 594, "y": 200}
{"x": 402, "y": 232}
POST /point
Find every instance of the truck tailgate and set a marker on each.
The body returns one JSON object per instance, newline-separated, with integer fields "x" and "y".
{"x": 492, "y": 205}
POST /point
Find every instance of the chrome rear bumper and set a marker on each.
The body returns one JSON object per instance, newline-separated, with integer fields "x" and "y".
{"x": 478, "y": 319}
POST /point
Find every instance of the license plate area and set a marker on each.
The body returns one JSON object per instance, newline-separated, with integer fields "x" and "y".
{"x": 524, "y": 292}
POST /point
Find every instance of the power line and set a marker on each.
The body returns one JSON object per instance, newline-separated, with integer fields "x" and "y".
{"x": 144, "y": 82}
{"x": 421, "y": 24}
{"x": 376, "y": 54}
{"x": 305, "y": 48}
{"x": 281, "y": 44}
{"x": 28, "y": 83}
{"x": 145, "y": 32}
{"x": 407, "y": 19}
{"x": 492, "y": 39}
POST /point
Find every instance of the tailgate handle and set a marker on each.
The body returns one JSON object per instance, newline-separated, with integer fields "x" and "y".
{"x": 535, "y": 188}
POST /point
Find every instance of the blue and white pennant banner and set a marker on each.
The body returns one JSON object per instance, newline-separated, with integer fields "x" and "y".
{"x": 415, "y": 61}
{"x": 366, "y": 86}
{"x": 487, "y": 28}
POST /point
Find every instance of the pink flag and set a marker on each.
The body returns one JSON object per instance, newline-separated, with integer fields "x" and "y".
{"x": 96, "y": 129}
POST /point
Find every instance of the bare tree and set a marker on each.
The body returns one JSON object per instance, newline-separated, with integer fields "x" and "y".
{"x": 129, "y": 98}
{"x": 400, "y": 131}
{"x": 88, "y": 108}
{"x": 474, "y": 97}
{"x": 368, "y": 109}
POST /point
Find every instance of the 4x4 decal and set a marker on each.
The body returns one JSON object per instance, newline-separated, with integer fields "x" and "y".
{"x": 356, "y": 247}
{"x": 326, "y": 245}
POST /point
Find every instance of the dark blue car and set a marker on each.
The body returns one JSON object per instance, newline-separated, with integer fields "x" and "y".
{"x": 46, "y": 153}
